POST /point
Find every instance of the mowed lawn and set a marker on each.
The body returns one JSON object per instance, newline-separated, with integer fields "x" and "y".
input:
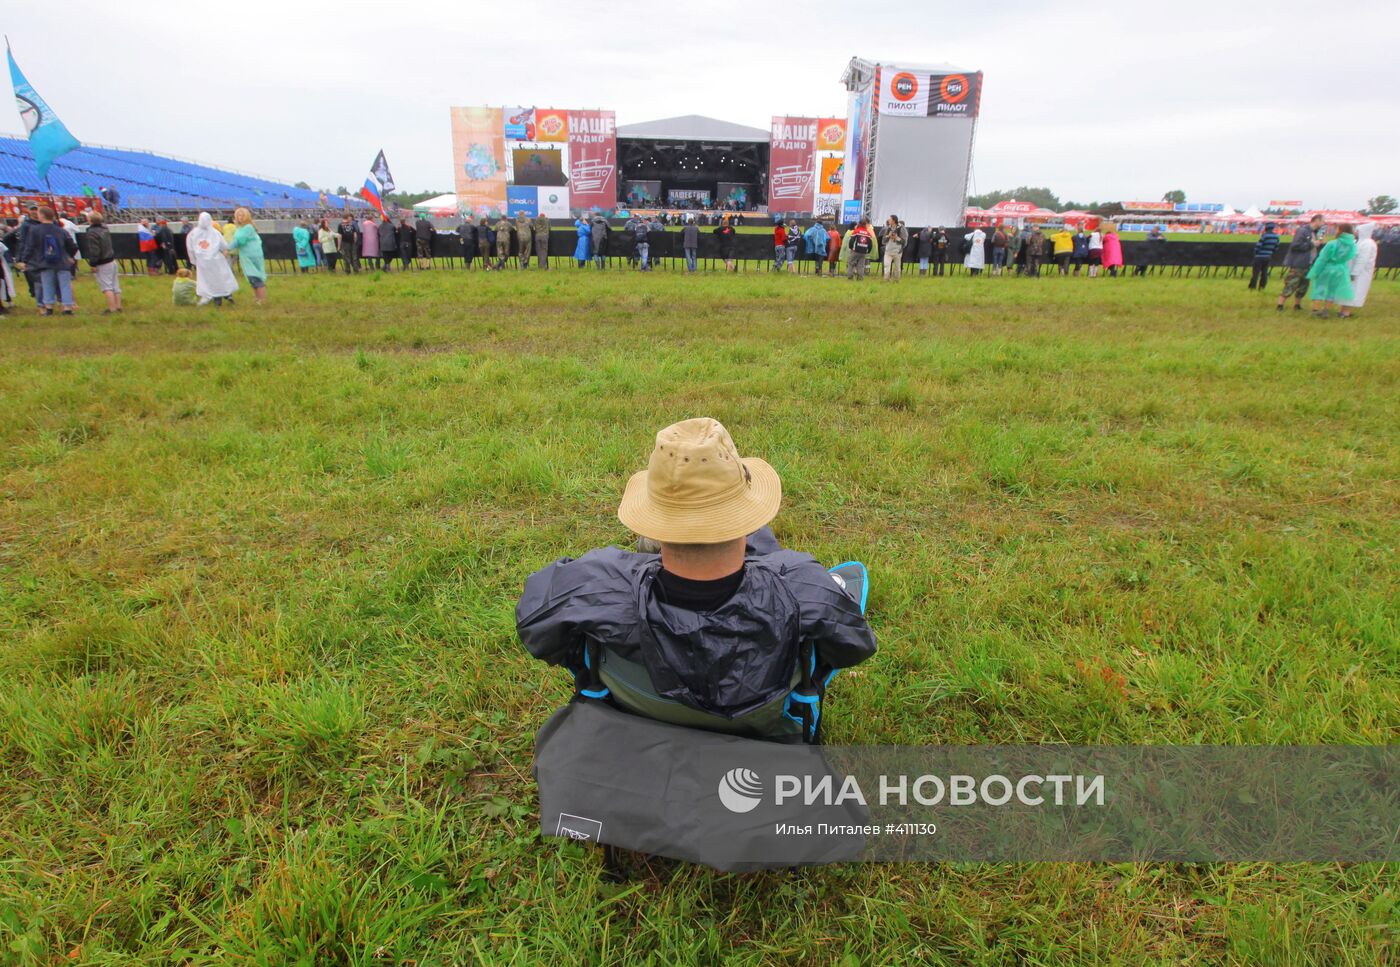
{"x": 261, "y": 699}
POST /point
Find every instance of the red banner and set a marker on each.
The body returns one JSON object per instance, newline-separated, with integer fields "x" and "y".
{"x": 593, "y": 160}
{"x": 791, "y": 148}
{"x": 69, "y": 206}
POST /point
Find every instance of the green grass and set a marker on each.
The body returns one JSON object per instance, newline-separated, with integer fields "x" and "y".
{"x": 260, "y": 695}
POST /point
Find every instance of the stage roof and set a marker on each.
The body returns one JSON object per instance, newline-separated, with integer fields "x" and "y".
{"x": 692, "y": 127}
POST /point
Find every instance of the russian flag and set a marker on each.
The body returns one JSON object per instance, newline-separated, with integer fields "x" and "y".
{"x": 145, "y": 239}
{"x": 370, "y": 193}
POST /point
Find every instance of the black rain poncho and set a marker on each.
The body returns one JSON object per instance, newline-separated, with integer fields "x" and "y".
{"x": 729, "y": 661}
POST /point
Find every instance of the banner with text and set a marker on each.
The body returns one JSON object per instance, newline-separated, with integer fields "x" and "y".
{"x": 791, "y": 158}
{"x": 554, "y": 202}
{"x": 688, "y": 196}
{"x": 69, "y": 206}
{"x": 915, "y": 94}
{"x": 478, "y": 156}
{"x": 522, "y": 199}
{"x": 831, "y": 134}
{"x": 520, "y": 124}
{"x": 593, "y": 160}
{"x": 551, "y": 125}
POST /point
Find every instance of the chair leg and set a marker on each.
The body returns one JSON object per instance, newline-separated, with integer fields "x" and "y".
{"x": 615, "y": 870}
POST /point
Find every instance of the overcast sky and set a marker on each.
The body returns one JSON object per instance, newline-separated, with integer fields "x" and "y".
{"x": 1233, "y": 102}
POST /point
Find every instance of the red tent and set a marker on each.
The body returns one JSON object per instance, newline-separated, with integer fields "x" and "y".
{"x": 1019, "y": 209}
{"x": 1012, "y": 208}
{"x": 1332, "y": 216}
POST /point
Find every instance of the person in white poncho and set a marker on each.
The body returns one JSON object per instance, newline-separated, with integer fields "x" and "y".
{"x": 1363, "y": 265}
{"x": 976, "y": 257}
{"x": 209, "y": 254}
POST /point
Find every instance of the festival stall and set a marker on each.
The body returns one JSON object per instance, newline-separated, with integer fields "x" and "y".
{"x": 1019, "y": 211}
{"x": 1333, "y": 216}
{"x": 1077, "y": 217}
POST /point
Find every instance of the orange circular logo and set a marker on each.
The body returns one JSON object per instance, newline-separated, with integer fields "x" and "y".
{"x": 954, "y": 88}
{"x": 904, "y": 86}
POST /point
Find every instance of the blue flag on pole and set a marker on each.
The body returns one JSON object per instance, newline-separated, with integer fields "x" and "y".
{"x": 48, "y": 137}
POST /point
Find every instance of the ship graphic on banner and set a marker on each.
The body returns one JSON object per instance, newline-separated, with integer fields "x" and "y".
{"x": 592, "y": 164}
{"x": 792, "y": 173}
{"x": 791, "y": 182}
{"x": 591, "y": 174}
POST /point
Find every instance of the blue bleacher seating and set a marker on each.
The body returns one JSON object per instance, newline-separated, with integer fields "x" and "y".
{"x": 147, "y": 180}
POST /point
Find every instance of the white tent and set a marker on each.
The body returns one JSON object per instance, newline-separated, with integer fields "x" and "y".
{"x": 440, "y": 203}
{"x": 1251, "y": 214}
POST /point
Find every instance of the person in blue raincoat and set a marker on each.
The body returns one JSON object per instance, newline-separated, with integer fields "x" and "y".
{"x": 585, "y": 236}
{"x": 301, "y": 238}
{"x": 815, "y": 240}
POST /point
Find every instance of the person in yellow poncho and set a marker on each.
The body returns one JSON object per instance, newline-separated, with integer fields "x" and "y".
{"x": 1063, "y": 240}
{"x": 182, "y": 290}
{"x": 227, "y": 230}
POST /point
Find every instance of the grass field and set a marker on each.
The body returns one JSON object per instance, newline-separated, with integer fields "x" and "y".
{"x": 261, "y": 699}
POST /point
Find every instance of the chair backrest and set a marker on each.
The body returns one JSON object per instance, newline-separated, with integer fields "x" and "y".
{"x": 794, "y": 716}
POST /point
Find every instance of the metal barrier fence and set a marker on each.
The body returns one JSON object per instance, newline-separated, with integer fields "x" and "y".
{"x": 754, "y": 252}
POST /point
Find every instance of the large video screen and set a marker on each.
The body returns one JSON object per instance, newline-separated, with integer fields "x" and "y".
{"x": 537, "y": 166}
{"x": 734, "y": 193}
{"x": 641, "y": 194}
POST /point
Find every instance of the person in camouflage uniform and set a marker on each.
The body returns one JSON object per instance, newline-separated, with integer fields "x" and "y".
{"x": 524, "y": 239}
{"x": 503, "y": 240}
{"x": 541, "y": 228}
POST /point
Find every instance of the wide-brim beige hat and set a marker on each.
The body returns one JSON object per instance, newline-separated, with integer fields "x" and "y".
{"x": 698, "y": 490}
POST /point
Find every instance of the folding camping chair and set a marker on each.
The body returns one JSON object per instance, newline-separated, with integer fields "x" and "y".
{"x": 626, "y": 686}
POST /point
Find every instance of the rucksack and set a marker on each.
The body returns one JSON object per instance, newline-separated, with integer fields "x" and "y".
{"x": 860, "y": 243}
{"x": 52, "y": 255}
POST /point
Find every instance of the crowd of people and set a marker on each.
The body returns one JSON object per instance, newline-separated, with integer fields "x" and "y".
{"x": 1068, "y": 251}
{"x": 1010, "y": 250}
{"x": 45, "y": 248}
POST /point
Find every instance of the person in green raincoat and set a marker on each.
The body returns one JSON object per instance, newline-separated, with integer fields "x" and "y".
{"x": 1330, "y": 274}
{"x": 248, "y": 244}
{"x": 301, "y": 238}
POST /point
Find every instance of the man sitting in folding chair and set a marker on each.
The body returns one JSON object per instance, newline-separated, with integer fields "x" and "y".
{"x": 723, "y": 629}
